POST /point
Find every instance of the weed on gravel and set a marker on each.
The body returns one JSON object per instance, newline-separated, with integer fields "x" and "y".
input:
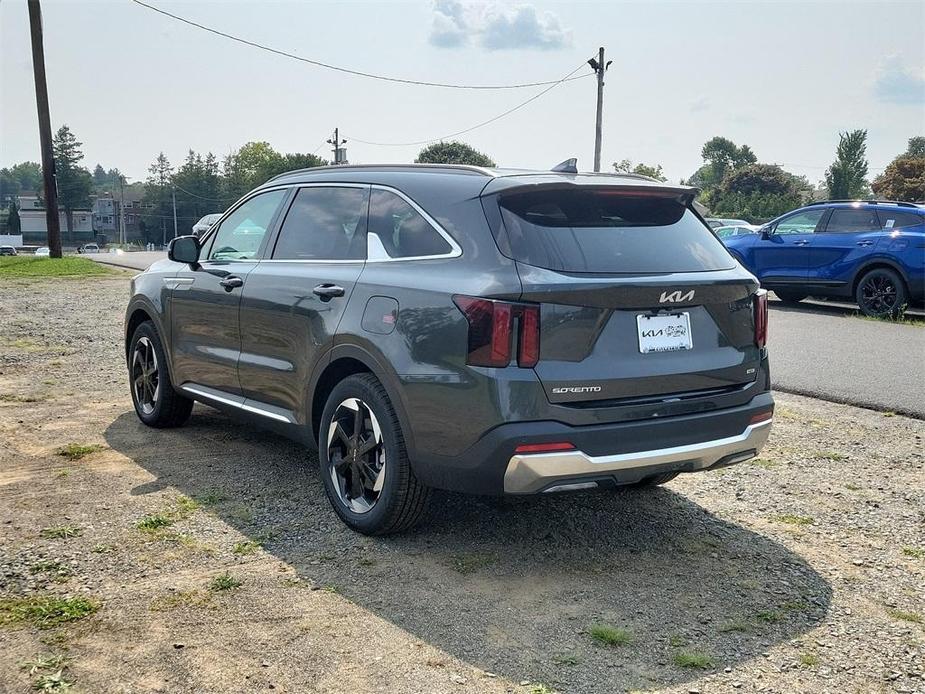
{"x": 793, "y": 519}
{"x": 905, "y": 616}
{"x": 914, "y": 552}
{"x": 694, "y": 660}
{"x": 181, "y": 509}
{"x": 245, "y": 547}
{"x": 76, "y": 451}
{"x": 52, "y": 682}
{"x": 182, "y": 598}
{"x": 225, "y": 581}
{"x": 607, "y": 635}
{"x": 45, "y": 611}
{"x": 60, "y": 532}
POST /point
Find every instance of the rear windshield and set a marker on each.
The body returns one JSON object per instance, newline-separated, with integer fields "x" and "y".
{"x": 602, "y": 231}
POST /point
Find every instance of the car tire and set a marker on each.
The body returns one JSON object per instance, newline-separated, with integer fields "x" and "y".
{"x": 789, "y": 297}
{"x": 156, "y": 402}
{"x": 655, "y": 480}
{"x": 375, "y": 492}
{"x": 881, "y": 293}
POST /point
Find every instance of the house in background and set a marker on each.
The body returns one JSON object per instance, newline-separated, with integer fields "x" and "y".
{"x": 35, "y": 230}
{"x": 106, "y": 209}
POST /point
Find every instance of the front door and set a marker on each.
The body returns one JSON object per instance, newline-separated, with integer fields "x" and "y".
{"x": 293, "y": 301}
{"x": 783, "y": 257}
{"x": 206, "y": 336}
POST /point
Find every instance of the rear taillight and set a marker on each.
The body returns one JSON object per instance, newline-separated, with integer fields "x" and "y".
{"x": 491, "y": 326}
{"x": 760, "y": 306}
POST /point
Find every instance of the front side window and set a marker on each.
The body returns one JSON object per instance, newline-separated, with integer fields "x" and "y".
{"x": 404, "y": 232}
{"x": 799, "y": 223}
{"x": 848, "y": 221}
{"x": 324, "y": 223}
{"x": 240, "y": 235}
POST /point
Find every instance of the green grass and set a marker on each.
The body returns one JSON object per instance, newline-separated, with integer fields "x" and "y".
{"x": 809, "y": 659}
{"x": 45, "y": 662}
{"x": 607, "y": 635}
{"x": 540, "y": 688}
{"x": 765, "y": 463}
{"x": 56, "y": 569}
{"x": 30, "y": 267}
{"x": 734, "y": 625}
{"x": 693, "y": 659}
{"x": 245, "y": 547}
{"x": 915, "y": 552}
{"x": 60, "y": 532}
{"x": 45, "y": 611}
{"x": 154, "y": 522}
{"x": 768, "y": 616}
{"x": 76, "y": 451}
{"x": 565, "y": 659}
{"x": 472, "y": 562}
{"x": 835, "y": 456}
{"x": 792, "y": 519}
{"x": 225, "y": 581}
{"x": 52, "y": 682}
{"x": 181, "y": 509}
{"x": 905, "y": 616}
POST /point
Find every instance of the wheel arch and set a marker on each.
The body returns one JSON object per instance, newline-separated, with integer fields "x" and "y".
{"x": 878, "y": 264}
{"x": 345, "y": 360}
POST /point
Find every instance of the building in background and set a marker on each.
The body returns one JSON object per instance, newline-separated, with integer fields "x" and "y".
{"x": 106, "y": 210}
{"x": 35, "y": 230}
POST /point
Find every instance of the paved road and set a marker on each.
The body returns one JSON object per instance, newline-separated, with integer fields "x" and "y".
{"x": 139, "y": 260}
{"x": 818, "y": 349}
{"x": 824, "y": 351}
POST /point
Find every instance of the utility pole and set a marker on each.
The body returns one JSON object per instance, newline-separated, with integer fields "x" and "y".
{"x": 599, "y": 67}
{"x": 174, "y": 193}
{"x": 52, "y": 223}
{"x": 340, "y": 153}
{"x": 121, "y": 209}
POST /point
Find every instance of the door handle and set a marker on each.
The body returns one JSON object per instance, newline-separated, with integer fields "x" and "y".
{"x": 328, "y": 291}
{"x": 865, "y": 243}
{"x": 232, "y": 282}
{"x": 801, "y": 242}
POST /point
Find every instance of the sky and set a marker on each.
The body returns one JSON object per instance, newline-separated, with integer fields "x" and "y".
{"x": 782, "y": 77}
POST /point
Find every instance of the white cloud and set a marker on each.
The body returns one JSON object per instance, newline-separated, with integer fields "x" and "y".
{"x": 496, "y": 26}
{"x": 894, "y": 83}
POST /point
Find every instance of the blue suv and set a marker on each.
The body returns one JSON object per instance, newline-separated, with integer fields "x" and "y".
{"x": 871, "y": 252}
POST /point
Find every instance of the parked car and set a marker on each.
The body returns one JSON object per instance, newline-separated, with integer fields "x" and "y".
{"x": 89, "y": 248}
{"x": 7, "y": 250}
{"x": 454, "y": 327}
{"x": 870, "y": 252}
{"x": 716, "y": 223}
{"x": 726, "y": 232}
{"x": 204, "y": 224}
{"x": 43, "y": 251}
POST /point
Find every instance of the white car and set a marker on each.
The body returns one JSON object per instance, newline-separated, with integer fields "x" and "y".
{"x": 43, "y": 251}
{"x": 204, "y": 224}
{"x": 89, "y": 248}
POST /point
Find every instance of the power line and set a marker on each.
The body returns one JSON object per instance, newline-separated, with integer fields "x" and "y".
{"x": 201, "y": 197}
{"x": 519, "y": 106}
{"x": 328, "y": 66}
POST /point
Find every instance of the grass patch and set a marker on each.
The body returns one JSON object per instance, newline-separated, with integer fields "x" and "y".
{"x": 35, "y": 268}
{"x": 16, "y": 397}
{"x": 182, "y": 598}
{"x": 809, "y": 659}
{"x": 793, "y": 519}
{"x": 852, "y": 487}
{"x": 52, "y": 682}
{"x": 565, "y": 659}
{"x": 154, "y": 522}
{"x": 607, "y": 635}
{"x": 76, "y": 451}
{"x": 676, "y": 641}
{"x": 225, "y": 581}
{"x": 735, "y": 625}
{"x": 540, "y": 688}
{"x": 46, "y": 611}
{"x": 914, "y": 552}
{"x": 209, "y": 498}
{"x": 830, "y": 455}
{"x": 60, "y": 532}
{"x": 183, "y": 507}
{"x": 765, "y": 463}
{"x": 102, "y": 548}
{"x": 245, "y": 547}
{"x": 905, "y": 616}
{"x": 693, "y": 659}
{"x": 60, "y": 571}
{"x": 43, "y": 663}
{"x": 471, "y": 562}
{"x": 768, "y": 616}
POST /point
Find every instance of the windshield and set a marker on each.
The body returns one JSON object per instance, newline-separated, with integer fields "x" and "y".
{"x": 604, "y": 231}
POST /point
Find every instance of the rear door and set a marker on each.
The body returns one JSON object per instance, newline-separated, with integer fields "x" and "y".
{"x": 294, "y": 300}
{"x": 849, "y": 235}
{"x": 782, "y": 256}
{"x": 638, "y": 298}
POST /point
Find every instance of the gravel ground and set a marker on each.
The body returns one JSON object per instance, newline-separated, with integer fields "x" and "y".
{"x": 799, "y": 572}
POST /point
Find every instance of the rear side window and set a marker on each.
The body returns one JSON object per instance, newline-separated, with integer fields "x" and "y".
{"x": 402, "y": 229}
{"x": 895, "y": 220}
{"x": 324, "y": 224}
{"x": 848, "y": 221}
{"x": 606, "y": 231}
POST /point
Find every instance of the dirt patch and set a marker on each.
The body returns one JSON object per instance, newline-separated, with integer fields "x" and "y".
{"x": 801, "y": 571}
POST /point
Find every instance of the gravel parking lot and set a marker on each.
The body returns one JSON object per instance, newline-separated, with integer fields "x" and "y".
{"x": 206, "y": 559}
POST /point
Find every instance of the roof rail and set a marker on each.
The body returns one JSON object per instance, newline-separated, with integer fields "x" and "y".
{"x": 366, "y": 167}
{"x": 868, "y": 202}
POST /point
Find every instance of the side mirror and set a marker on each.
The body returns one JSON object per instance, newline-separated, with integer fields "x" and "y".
{"x": 184, "y": 249}
{"x": 766, "y": 232}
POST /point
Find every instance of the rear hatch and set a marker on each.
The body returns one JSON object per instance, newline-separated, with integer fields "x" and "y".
{"x": 639, "y": 301}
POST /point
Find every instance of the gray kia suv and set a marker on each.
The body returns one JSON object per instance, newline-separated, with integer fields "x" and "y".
{"x": 453, "y": 327}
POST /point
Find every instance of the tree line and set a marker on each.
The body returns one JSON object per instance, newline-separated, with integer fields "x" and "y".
{"x": 732, "y": 182}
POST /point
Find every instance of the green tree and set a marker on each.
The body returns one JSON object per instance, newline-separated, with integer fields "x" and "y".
{"x": 903, "y": 179}
{"x": 916, "y": 147}
{"x": 25, "y": 177}
{"x": 199, "y": 190}
{"x": 74, "y": 181}
{"x": 248, "y": 167}
{"x": 846, "y": 178}
{"x": 720, "y": 155}
{"x": 13, "y": 223}
{"x": 453, "y": 153}
{"x": 758, "y": 192}
{"x": 157, "y": 203}
{"x": 626, "y": 166}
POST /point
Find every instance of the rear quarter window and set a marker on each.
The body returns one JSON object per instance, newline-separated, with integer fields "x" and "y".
{"x": 896, "y": 220}
{"x": 602, "y": 231}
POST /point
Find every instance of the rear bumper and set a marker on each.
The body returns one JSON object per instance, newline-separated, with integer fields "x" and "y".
{"x": 605, "y": 454}
{"x": 546, "y": 472}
